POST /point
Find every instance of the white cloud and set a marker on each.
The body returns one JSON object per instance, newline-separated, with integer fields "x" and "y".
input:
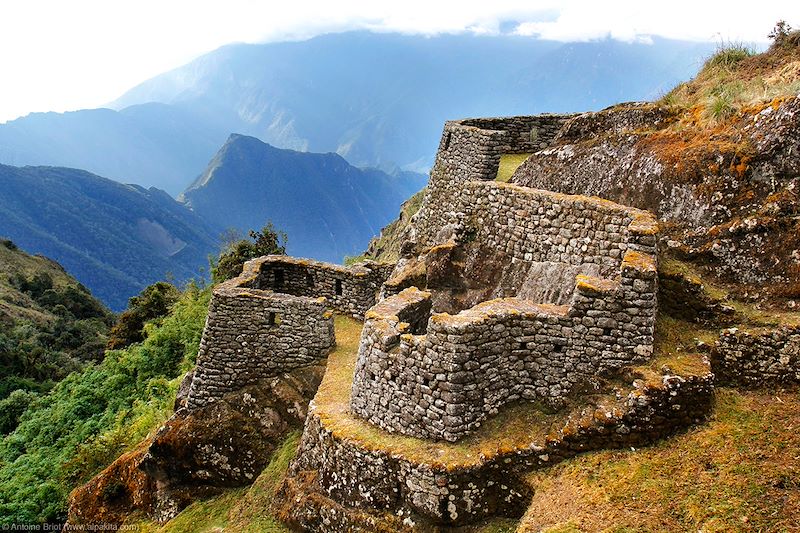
{"x": 60, "y": 55}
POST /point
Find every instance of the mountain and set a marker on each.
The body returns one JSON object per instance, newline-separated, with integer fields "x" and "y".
{"x": 49, "y": 325}
{"x": 327, "y": 207}
{"x": 150, "y": 144}
{"x": 376, "y": 99}
{"x": 114, "y": 238}
{"x": 380, "y": 99}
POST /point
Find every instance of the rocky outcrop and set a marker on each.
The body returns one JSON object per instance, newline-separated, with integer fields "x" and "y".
{"x": 729, "y": 194}
{"x": 200, "y": 452}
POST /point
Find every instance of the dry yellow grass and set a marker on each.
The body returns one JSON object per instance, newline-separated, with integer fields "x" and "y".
{"x": 734, "y": 79}
{"x": 740, "y": 472}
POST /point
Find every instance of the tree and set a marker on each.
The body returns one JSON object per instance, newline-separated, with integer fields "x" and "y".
{"x": 267, "y": 241}
{"x": 153, "y": 302}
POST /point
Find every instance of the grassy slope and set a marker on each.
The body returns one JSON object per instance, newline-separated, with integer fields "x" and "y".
{"x": 93, "y": 416}
{"x": 14, "y": 303}
{"x": 738, "y": 472}
{"x": 388, "y": 244}
{"x": 508, "y": 164}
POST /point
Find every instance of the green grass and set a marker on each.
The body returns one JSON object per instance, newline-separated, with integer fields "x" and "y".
{"x": 508, "y": 164}
{"x": 735, "y": 79}
{"x": 729, "y": 55}
{"x": 393, "y": 235}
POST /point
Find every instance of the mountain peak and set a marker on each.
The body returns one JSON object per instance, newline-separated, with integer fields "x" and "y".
{"x": 328, "y": 207}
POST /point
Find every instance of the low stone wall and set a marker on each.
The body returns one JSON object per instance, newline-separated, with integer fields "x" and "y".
{"x": 757, "y": 359}
{"x": 523, "y": 134}
{"x": 443, "y": 384}
{"x": 360, "y": 479}
{"x": 349, "y": 290}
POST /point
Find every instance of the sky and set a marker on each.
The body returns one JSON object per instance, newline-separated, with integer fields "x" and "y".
{"x": 61, "y": 55}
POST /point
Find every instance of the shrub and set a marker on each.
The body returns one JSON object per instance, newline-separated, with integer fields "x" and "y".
{"x": 268, "y": 241}
{"x": 153, "y": 302}
{"x": 66, "y": 436}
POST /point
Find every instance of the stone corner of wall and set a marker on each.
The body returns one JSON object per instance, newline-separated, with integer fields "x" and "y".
{"x": 637, "y": 264}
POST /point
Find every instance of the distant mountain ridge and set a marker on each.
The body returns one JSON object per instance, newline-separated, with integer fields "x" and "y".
{"x": 376, "y": 99}
{"x": 327, "y": 207}
{"x": 380, "y": 99}
{"x": 114, "y": 238}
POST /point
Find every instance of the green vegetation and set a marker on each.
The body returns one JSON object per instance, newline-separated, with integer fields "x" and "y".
{"x": 154, "y": 302}
{"x": 729, "y": 55}
{"x": 387, "y": 246}
{"x": 49, "y": 326}
{"x": 736, "y": 79}
{"x": 116, "y": 238}
{"x": 508, "y": 164}
{"x": 739, "y": 472}
{"x": 268, "y": 241}
{"x": 92, "y": 416}
{"x": 350, "y": 260}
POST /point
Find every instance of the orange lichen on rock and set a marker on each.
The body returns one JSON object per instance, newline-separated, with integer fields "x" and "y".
{"x": 112, "y": 494}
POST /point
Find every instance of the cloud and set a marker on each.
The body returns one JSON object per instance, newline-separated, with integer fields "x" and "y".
{"x": 59, "y": 55}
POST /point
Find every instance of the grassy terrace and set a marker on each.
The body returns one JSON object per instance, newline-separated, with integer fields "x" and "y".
{"x": 739, "y": 472}
{"x": 508, "y": 164}
{"x": 515, "y": 427}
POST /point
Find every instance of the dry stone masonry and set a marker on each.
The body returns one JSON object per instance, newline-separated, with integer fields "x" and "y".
{"x": 349, "y": 290}
{"x": 275, "y": 317}
{"x": 470, "y": 150}
{"x": 444, "y": 383}
{"x": 353, "y": 476}
{"x": 755, "y": 359}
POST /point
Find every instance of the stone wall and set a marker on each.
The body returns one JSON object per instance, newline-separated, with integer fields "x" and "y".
{"x": 252, "y": 334}
{"x": 470, "y": 149}
{"x": 360, "y": 479}
{"x": 444, "y": 383}
{"x": 349, "y": 290}
{"x": 276, "y": 317}
{"x": 757, "y": 359}
{"x": 541, "y": 226}
{"x": 522, "y": 134}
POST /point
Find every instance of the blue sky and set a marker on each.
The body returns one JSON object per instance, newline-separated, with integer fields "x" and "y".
{"x": 61, "y": 55}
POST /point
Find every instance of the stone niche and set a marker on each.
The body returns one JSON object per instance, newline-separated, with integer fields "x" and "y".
{"x": 439, "y": 376}
{"x": 349, "y": 290}
{"x": 275, "y": 317}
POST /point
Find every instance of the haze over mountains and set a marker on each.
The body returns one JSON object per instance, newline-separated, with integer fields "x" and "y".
{"x": 328, "y": 207}
{"x": 114, "y": 238}
{"x": 376, "y": 99}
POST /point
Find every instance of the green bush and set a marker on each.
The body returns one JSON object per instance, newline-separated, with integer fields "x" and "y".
{"x": 153, "y": 302}
{"x": 265, "y": 242}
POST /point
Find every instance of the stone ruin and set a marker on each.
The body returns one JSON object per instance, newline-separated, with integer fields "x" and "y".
{"x": 584, "y": 308}
{"x": 276, "y": 317}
